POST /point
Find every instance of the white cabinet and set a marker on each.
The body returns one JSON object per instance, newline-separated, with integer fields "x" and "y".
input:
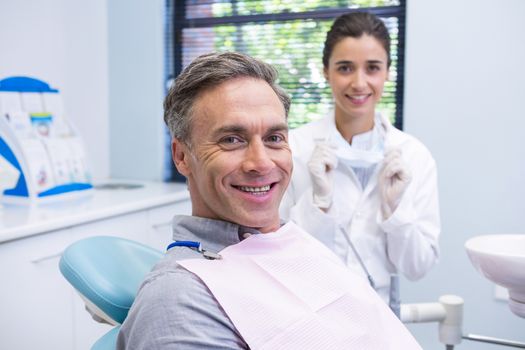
{"x": 36, "y": 302}
{"x": 38, "y": 307}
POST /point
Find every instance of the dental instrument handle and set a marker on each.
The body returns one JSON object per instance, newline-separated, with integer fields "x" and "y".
{"x": 422, "y": 312}
{"x": 491, "y": 340}
{"x": 394, "y": 301}
{"x": 360, "y": 261}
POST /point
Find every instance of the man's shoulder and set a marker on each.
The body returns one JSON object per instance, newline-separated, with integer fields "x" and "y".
{"x": 173, "y": 306}
{"x": 167, "y": 293}
{"x": 169, "y": 279}
{"x": 170, "y": 288}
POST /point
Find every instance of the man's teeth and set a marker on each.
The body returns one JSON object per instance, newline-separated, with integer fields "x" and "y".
{"x": 255, "y": 189}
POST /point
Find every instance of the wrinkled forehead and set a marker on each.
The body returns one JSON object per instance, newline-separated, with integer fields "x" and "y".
{"x": 247, "y": 102}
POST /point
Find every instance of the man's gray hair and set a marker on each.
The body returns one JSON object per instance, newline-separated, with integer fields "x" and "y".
{"x": 207, "y": 71}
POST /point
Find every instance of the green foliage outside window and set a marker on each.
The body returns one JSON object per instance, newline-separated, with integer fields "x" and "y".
{"x": 247, "y": 7}
{"x": 294, "y": 46}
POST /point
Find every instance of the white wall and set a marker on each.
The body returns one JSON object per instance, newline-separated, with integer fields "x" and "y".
{"x": 65, "y": 44}
{"x": 106, "y": 58}
{"x": 464, "y": 98}
{"x": 136, "y": 88}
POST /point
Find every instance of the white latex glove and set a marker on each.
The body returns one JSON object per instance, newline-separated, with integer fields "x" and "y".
{"x": 393, "y": 181}
{"x": 321, "y": 165}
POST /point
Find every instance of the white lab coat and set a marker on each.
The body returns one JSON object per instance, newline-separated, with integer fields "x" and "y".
{"x": 405, "y": 243}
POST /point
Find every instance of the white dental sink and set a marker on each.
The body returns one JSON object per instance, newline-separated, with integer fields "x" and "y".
{"x": 501, "y": 259}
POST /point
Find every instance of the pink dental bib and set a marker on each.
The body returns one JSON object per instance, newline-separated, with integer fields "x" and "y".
{"x": 285, "y": 290}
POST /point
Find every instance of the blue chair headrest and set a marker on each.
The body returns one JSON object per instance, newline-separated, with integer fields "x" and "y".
{"x": 108, "y": 271}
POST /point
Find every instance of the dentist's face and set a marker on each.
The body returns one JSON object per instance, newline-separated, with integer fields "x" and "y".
{"x": 239, "y": 164}
{"x": 357, "y": 71}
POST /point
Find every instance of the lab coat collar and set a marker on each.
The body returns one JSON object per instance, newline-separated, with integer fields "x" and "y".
{"x": 331, "y": 133}
{"x": 391, "y": 134}
{"x": 353, "y": 156}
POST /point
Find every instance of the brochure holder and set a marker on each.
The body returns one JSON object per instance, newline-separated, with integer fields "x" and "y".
{"x": 38, "y": 140}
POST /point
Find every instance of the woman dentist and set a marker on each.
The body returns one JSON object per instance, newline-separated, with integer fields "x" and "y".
{"x": 364, "y": 188}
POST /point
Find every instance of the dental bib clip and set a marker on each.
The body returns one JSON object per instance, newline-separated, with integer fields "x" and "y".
{"x": 197, "y": 247}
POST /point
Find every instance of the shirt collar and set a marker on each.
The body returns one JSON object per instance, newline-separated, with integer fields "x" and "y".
{"x": 215, "y": 234}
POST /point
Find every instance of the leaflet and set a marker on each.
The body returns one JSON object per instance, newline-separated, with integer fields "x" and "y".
{"x": 32, "y": 102}
{"x": 39, "y": 165}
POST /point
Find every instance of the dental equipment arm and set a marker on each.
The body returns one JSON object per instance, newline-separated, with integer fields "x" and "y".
{"x": 448, "y": 311}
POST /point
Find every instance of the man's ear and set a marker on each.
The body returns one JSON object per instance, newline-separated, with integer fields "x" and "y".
{"x": 181, "y": 157}
{"x": 325, "y": 73}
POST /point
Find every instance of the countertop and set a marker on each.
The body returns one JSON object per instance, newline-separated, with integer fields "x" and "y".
{"x": 27, "y": 219}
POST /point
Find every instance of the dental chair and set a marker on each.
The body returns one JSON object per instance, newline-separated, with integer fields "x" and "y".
{"x": 107, "y": 272}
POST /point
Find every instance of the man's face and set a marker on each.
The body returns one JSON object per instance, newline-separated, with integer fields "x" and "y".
{"x": 239, "y": 164}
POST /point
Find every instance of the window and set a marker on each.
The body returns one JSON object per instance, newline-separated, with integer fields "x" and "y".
{"x": 288, "y": 34}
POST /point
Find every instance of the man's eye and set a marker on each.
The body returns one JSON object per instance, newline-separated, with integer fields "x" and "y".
{"x": 275, "y": 138}
{"x": 230, "y": 140}
{"x": 276, "y": 141}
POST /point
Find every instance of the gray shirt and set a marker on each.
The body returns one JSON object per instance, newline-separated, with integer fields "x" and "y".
{"x": 173, "y": 308}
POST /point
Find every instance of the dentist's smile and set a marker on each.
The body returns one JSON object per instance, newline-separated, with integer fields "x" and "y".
{"x": 358, "y": 99}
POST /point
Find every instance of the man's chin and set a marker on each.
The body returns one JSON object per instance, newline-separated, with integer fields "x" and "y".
{"x": 265, "y": 222}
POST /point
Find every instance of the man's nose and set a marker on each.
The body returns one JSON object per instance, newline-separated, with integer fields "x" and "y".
{"x": 256, "y": 158}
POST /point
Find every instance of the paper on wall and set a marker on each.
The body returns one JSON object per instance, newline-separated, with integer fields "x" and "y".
{"x": 32, "y": 102}
{"x": 61, "y": 128}
{"x": 59, "y": 154}
{"x": 52, "y": 103}
{"x": 8, "y": 175}
{"x": 78, "y": 160}
{"x": 10, "y": 102}
{"x": 42, "y": 124}
{"x": 39, "y": 164}
{"x": 20, "y": 124}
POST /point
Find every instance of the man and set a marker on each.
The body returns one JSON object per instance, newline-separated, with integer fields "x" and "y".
{"x": 267, "y": 289}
